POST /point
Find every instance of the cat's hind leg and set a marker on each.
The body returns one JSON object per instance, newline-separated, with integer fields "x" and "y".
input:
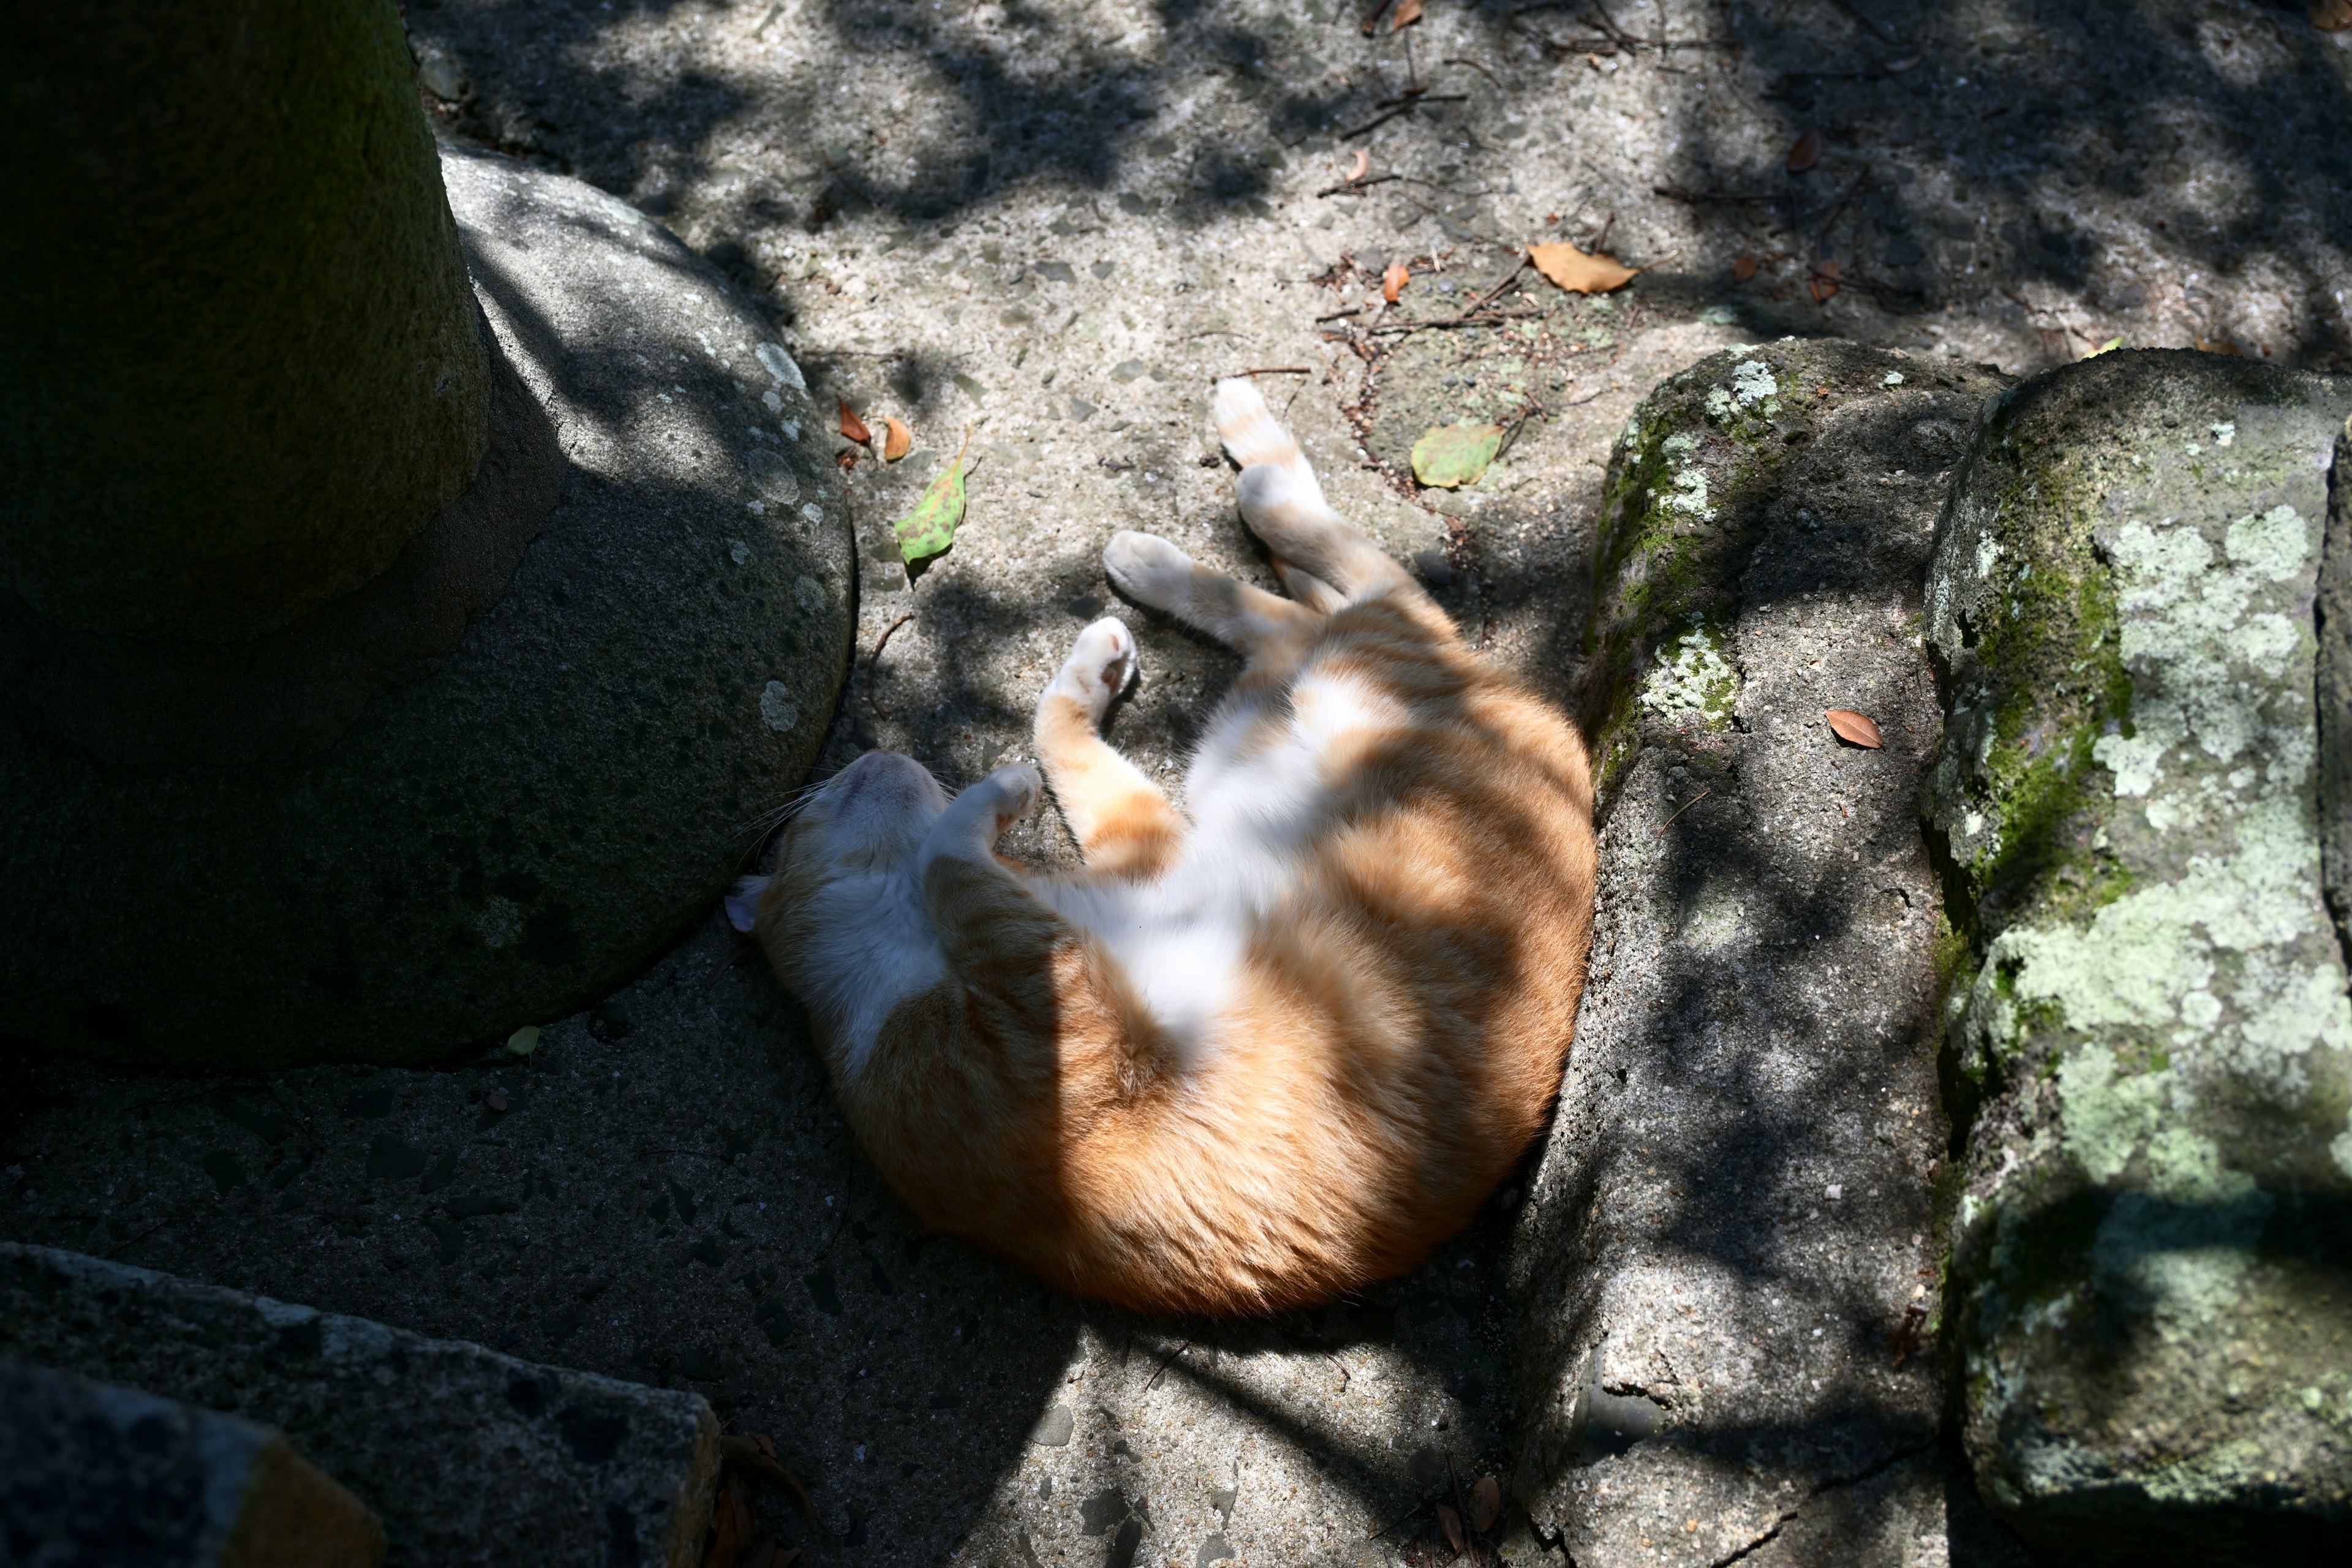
{"x": 1151, "y": 571}
{"x": 1123, "y": 823}
{"x": 1284, "y": 506}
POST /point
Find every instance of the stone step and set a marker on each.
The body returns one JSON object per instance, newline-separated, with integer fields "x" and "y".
{"x": 467, "y": 1455}
{"x": 95, "y": 1473}
{"x": 1725, "y": 1269}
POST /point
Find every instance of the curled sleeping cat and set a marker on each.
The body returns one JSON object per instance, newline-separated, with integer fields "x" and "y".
{"x": 1243, "y": 1063}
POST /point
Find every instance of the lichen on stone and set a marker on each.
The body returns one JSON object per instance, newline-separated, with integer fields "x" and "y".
{"x": 1691, "y": 678}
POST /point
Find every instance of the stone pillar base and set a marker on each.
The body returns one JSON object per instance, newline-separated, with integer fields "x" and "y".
{"x": 530, "y": 822}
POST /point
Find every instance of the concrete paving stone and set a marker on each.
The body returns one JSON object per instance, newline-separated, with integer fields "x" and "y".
{"x": 879, "y": 178}
{"x": 467, "y": 1455}
{"x": 95, "y": 1473}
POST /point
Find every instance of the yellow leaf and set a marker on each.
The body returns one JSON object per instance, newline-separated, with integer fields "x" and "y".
{"x": 897, "y": 439}
{"x": 524, "y": 1041}
{"x": 1577, "y": 273}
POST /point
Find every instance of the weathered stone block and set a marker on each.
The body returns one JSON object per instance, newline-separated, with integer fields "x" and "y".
{"x": 1727, "y": 1255}
{"x": 93, "y": 1473}
{"x": 2152, "y": 1259}
{"x": 468, "y": 1457}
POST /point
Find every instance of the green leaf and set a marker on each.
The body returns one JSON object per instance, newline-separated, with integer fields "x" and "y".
{"x": 1452, "y": 456}
{"x": 931, "y": 526}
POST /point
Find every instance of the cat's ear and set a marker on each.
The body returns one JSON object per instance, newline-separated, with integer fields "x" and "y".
{"x": 743, "y": 902}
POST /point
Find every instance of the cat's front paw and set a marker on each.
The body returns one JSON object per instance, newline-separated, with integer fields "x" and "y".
{"x": 1099, "y": 667}
{"x": 1013, "y": 790}
{"x": 1148, "y": 569}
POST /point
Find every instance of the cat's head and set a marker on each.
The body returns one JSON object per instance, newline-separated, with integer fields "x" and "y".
{"x": 869, "y": 817}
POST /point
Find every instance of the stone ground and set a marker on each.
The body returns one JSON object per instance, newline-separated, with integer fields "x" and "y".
{"x": 1055, "y": 224}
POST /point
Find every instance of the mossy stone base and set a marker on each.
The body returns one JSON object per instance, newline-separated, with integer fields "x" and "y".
{"x": 523, "y": 829}
{"x": 1721, "y": 1275}
{"x": 2153, "y": 1253}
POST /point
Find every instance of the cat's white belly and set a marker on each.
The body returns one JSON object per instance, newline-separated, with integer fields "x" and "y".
{"x": 1259, "y": 789}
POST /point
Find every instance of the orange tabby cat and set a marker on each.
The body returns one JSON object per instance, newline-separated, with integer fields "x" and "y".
{"x": 1240, "y": 1064}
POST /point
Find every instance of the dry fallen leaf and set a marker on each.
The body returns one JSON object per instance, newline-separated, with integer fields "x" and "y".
{"x": 1743, "y": 268}
{"x": 1825, "y": 281}
{"x": 1392, "y": 281}
{"x": 1452, "y": 1524}
{"x": 1577, "y": 273}
{"x": 1855, "y": 729}
{"x": 1486, "y": 1504}
{"x": 1407, "y": 13}
{"x": 731, "y": 1524}
{"x": 2206, "y": 345}
{"x": 846, "y": 458}
{"x": 853, "y": 427}
{"x": 1360, "y": 167}
{"x": 1806, "y": 153}
{"x": 755, "y": 1455}
{"x": 523, "y": 1041}
{"x": 897, "y": 439}
{"x": 2332, "y": 16}
{"x": 495, "y": 1100}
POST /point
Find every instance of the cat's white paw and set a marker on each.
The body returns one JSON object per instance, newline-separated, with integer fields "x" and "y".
{"x": 1100, "y": 666}
{"x": 1148, "y": 569}
{"x": 1015, "y": 788}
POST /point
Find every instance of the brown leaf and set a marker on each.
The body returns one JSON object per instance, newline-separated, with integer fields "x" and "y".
{"x": 846, "y": 458}
{"x": 731, "y": 1525}
{"x": 495, "y": 1100}
{"x": 1486, "y": 1504}
{"x": 1393, "y": 281}
{"x": 1743, "y": 268}
{"x": 2206, "y": 345}
{"x": 1577, "y": 273}
{"x": 1407, "y": 13}
{"x": 2332, "y": 16}
{"x": 1855, "y": 729}
{"x": 1363, "y": 164}
{"x": 1451, "y": 1522}
{"x": 1825, "y": 281}
{"x": 754, "y": 1456}
{"x": 853, "y": 427}
{"x": 897, "y": 439}
{"x": 1806, "y": 153}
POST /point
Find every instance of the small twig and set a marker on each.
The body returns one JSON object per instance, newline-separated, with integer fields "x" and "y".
{"x": 873, "y": 661}
{"x": 1686, "y": 806}
{"x": 1346, "y": 1377}
{"x": 1406, "y": 106}
{"x": 1166, "y": 1361}
{"x": 1413, "y": 1512}
{"x": 1350, "y": 310}
{"x": 1356, "y": 188}
{"x": 1508, "y": 277}
{"x": 1279, "y": 370}
{"x": 1601, "y": 240}
{"x": 1473, "y": 65}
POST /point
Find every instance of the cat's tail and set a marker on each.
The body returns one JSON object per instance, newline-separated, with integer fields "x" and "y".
{"x": 1253, "y": 434}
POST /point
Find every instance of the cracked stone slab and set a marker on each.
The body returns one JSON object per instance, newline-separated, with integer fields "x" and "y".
{"x": 92, "y": 1472}
{"x": 2150, "y": 1261}
{"x": 467, "y": 1455}
{"x": 1722, "y": 1270}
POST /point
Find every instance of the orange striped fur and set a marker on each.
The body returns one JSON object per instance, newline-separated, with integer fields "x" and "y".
{"x": 1241, "y": 1063}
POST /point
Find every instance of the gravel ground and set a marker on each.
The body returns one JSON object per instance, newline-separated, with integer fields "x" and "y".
{"x": 1053, "y": 224}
